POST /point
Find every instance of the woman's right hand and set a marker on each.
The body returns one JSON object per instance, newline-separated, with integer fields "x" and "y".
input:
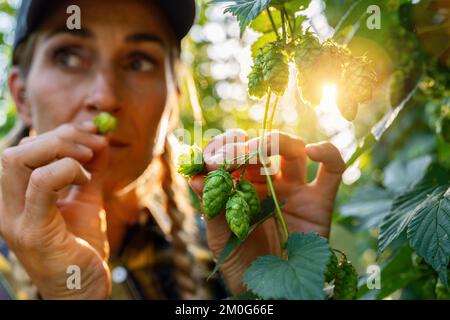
{"x": 51, "y": 212}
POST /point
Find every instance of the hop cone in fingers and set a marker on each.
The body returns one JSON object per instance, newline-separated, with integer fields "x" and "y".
{"x": 346, "y": 280}
{"x": 250, "y": 195}
{"x": 105, "y": 122}
{"x": 191, "y": 162}
{"x": 237, "y": 215}
{"x": 216, "y": 190}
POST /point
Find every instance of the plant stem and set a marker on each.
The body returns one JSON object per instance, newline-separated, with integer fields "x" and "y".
{"x": 274, "y": 109}
{"x": 266, "y": 171}
{"x": 275, "y": 200}
{"x": 273, "y": 23}
{"x": 283, "y": 27}
{"x": 291, "y": 28}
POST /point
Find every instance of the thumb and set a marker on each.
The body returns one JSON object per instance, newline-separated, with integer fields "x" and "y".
{"x": 93, "y": 190}
{"x": 197, "y": 182}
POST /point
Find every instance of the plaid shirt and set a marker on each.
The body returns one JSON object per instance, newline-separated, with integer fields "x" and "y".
{"x": 143, "y": 269}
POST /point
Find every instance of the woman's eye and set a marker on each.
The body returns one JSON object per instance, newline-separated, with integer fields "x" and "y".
{"x": 141, "y": 65}
{"x": 69, "y": 59}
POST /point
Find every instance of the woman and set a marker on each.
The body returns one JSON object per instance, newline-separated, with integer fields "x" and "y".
{"x": 71, "y": 197}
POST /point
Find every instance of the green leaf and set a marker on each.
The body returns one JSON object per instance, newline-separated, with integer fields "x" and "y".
{"x": 369, "y": 205}
{"x": 291, "y": 6}
{"x": 245, "y": 10}
{"x": 400, "y": 175}
{"x": 396, "y": 273}
{"x": 298, "y": 25}
{"x": 245, "y": 296}
{"x": 299, "y": 277}
{"x": 262, "y": 41}
{"x": 402, "y": 212}
{"x": 267, "y": 210}
{"x": 429, "y": 230}
{"x": 263, "y": 24}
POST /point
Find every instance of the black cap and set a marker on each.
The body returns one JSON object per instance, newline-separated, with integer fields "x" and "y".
{"x": 180, "y": 13}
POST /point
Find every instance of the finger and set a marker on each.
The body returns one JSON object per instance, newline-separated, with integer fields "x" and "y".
{"x": 218, "y": 142}
{"x": 232, "y": 153}
{"x": 331, "y": 168}
{"x": 44, "y": 185}
{"x": 84, "y": 133}
{"x": 196, "y": 182}
{"x": 41, "y": 151}
{"x": 19, "y": 162}
{"x": 291, "y": 151}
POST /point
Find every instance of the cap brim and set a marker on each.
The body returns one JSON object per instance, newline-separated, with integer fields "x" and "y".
{"x": 180, "y": 14}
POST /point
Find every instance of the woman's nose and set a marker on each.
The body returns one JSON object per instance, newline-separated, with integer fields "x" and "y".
{"x": 104, "y": 94}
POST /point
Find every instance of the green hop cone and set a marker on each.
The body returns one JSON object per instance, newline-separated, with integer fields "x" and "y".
{"x": 332, "y": 266}
{"x": 250, "y": 195}
{"x": 346, "y": 280}
{"x": 191, "y": 162}
{"x": 355, "y": 86}
{"x": 257, "y": 87}
{"x": 307, "y": 49}
{"x": 237, "y": 215}
{"x": 105, "y": 122}
{"x": 275, "y": 68}
{"x": 216, "y": 190}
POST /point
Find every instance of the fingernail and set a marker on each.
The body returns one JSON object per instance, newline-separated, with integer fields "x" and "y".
{"x": 100, "y": 139}
{"x": 87, "y": 124}
{"x": 86, "y": 173}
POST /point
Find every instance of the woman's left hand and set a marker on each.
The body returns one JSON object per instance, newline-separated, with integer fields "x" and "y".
{"x": 307, "y": 206}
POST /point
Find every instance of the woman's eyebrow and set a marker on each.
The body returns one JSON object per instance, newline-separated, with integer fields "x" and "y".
{"x": 145, "y": 37}
{"x": 83, "y": 33}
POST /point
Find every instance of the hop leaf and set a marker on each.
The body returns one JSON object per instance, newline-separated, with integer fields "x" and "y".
{"x": 191, "y": 162}
{"x": 245, "y": 10}
{"x": 345, "y": 283}
{"x": 250, "y": 195}
{"x": 105, "y": 122}
{"x": 332, "y": 266}
{"x": 301, "y": 276}
{"x": 217, "y": 188}
{"x": 237, "y": 215}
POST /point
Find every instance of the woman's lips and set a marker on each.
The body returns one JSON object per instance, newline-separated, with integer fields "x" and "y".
{"x": 118, "y": 144}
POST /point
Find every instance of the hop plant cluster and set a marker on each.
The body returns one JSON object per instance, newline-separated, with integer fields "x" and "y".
{"x": 353, "y": 75}
{"x": 270, "y": 71}
{"x": 223, "y": 191}
{"x": 239, "y": 198}
{"x": 344, "y": 276}
{"x": 315, "y": 62}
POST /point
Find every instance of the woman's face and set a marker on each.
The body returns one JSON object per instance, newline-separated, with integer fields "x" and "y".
{"x": 115, "y": 63}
